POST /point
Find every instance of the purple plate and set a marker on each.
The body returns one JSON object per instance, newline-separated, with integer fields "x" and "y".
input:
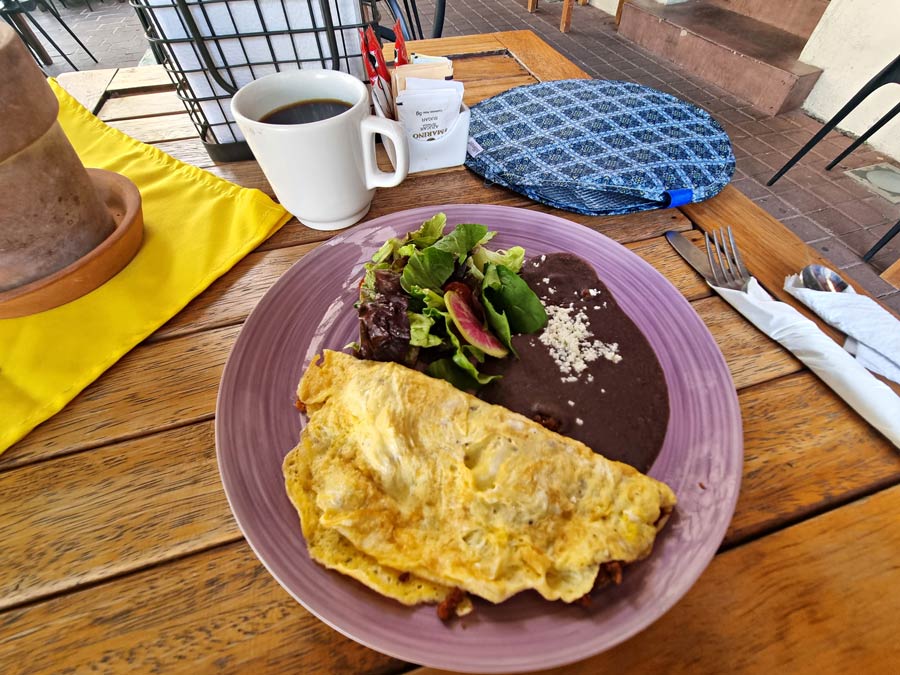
{"x": 311, "y": 308}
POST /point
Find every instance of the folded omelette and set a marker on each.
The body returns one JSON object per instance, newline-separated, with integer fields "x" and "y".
{"x": 416, "y": 488}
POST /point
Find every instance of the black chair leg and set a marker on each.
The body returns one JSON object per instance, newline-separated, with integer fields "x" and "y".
{"x": 890, "y": 73}
{"x": 42, "y": 58}
{"x": 890, "y": 234}
{"x": 862, "y": 139}
{"x": 437, "y": 26}
{"x": 70, "y": 32}
{"x": 50, "y": 40}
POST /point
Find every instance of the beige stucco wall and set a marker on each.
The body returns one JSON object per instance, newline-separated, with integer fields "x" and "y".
{"x": 854, "y": 40}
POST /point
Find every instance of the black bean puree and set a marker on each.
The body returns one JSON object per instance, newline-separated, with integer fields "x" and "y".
{"x": 620, "y": 410}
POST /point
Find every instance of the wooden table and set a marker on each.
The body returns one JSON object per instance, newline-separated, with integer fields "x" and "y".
{"x": 120, "y": 553}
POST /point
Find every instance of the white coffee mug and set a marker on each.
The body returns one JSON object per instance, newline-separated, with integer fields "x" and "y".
{"x": 323, "y": 172}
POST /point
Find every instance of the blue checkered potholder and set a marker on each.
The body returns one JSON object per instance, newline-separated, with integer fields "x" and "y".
{"x": 599, "y": 146}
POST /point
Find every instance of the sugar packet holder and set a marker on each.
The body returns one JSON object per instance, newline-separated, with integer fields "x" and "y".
{"x": 438, "y": 153}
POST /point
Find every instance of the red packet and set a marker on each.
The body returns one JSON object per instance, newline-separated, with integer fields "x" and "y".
{"x": 376, "y": 72}
{"x": 401, "y": 56}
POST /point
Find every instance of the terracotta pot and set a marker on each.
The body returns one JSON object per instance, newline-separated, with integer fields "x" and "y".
{"x": 50, "y": 212}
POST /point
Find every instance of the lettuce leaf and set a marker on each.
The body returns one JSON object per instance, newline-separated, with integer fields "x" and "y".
{"x": 420, "y": 334}
{"x": 428, "y": 268}
{"x": 510, "y": 297}
{"x": 497, "y": 320}
{"x": 445, "y": 369}
{"x": 462, "y": 239}
{"x": 430, "y": 231}
{"x": 512, "y": 258}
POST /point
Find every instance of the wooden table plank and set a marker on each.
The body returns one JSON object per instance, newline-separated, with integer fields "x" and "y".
{"x": 478, "y": 91}
{"x": 115, "y": 509}
{"x": 804, "y": 451}
{"x": 452, "y": 46}
{"x": 219, "y": 611}
{"x": 88, "y": 87}
{"x": 493, "y": 67}
{"x": 892, "y": 275}
{"x": 140, "y": 79}
{"x": 141, "y": 105}
{"x": 539, "y": 58}
{"x": 810, "y": 599}
{"x": 153, "y": 129}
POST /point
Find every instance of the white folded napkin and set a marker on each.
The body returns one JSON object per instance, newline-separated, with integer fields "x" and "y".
{"x": 868, "y": 396}
{"x": 873, "y": 333}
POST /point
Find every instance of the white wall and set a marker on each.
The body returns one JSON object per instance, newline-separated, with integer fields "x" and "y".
{"x": 854, "y": 40}
{"x": 608, "y": 6}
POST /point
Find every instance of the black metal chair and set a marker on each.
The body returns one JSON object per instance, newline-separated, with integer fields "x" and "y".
{"x": 890, "y": 234}
{"x": 14, "y": 11}
{"x": 410, "y": 22}
{"x": 890, "y": 74}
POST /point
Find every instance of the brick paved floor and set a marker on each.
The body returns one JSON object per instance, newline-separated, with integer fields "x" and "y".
{"x": 828, "y": 210}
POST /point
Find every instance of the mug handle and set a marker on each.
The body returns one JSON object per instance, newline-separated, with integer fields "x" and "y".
{"x": 375, "y": 177}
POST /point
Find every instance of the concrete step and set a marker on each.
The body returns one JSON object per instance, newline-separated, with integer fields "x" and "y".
{"x": 748, "y": 58}
{"x": 799, "y": 17}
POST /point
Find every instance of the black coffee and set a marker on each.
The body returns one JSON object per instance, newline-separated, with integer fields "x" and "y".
{"x": 305, "y": 112}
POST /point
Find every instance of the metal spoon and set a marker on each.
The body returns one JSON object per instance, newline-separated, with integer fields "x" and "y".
{"x": 821, "y": 278}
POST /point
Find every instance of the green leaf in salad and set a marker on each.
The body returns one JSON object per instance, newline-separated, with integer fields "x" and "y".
{"x": 428, "y": 298}
{"x": 512, "y": 258}
{"x": 430, "y": 231}
{"x": 420, "y": 334}
{"x": 427, "y": 268}
{"x": 498, "y": 322}
{"x": 445, "y": 369}
{"x": 430, "y": 267}
{"x": 462, "y": 239}
{"x": 386, "y": 251}
{"x": 509, "y": 296}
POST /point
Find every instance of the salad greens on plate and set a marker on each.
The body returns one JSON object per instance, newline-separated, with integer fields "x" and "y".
{"x": 445, "y": 302}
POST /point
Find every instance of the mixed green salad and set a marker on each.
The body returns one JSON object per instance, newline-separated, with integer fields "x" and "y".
{"x": 445, "y": 302}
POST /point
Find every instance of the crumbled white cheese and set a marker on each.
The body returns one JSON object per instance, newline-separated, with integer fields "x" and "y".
{"x": 546, "y": 280}
{"x": 572, "y": 403}
{"x": 593, "y": 292}
{"x": 569, "y": 339}
{"x": 579, "y": 421}
{"x": 602, "y": 391}
{"x": 551, "y": 290}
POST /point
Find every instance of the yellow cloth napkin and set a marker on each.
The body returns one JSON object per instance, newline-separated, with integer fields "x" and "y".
{"x": 196, "y": 227}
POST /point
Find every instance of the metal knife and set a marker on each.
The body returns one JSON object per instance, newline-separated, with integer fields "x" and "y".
{"x": 693, "y": 255}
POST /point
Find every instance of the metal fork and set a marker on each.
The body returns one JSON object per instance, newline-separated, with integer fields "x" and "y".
{"x": 725, "y": 261}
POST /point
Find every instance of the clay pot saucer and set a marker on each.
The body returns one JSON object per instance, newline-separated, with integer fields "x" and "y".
{"x": 123, "y": 201}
